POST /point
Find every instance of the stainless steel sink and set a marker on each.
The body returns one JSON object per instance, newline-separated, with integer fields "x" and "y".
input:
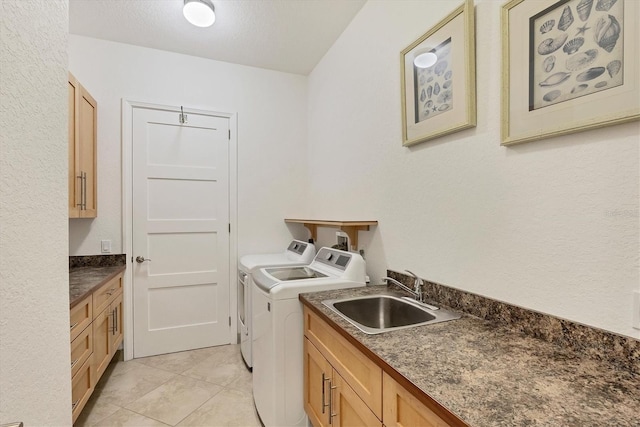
{"x": 374, "y": 314}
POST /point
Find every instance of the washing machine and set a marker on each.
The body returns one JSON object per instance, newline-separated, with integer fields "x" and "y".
{"x": 297, "y": 253}
{"x": 278, "y": 329}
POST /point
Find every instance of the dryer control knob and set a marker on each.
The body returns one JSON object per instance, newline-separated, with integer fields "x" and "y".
{"x": 328, "y": 256}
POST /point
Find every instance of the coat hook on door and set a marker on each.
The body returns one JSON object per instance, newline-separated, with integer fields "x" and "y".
{"x": 182, "y": 117}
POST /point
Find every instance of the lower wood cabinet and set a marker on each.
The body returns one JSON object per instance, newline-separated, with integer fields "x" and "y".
{"x": 329, "y": 400}
{"x": 96, "y": 334}
{"x": 360, "y": 372}
{"x": 343, "y": 387}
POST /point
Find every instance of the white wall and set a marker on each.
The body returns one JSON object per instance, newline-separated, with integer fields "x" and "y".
{"x": 549, "y": 225}
{"x": 35, "y": 386}
{"x": 272, "y": 129}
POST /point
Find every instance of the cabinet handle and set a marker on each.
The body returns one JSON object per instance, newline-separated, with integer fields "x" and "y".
{"x": 74, "y": 325}
{"x": 115, "y": 320}
{"x": 80, "y": 178}
{"x": 74, "y": 363}
{"x": 74, "y": 404}
{"x": 331, "y": 414}
{"x": 84, "y": 191}
{"x": 324, "y": 379}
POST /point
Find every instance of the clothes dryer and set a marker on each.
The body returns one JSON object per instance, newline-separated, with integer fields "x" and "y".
{"x": 297, "y": 253}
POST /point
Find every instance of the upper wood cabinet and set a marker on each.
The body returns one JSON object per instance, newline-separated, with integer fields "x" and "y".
{"x": 83, "y": 126}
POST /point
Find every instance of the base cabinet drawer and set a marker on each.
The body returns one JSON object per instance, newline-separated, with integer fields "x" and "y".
{"x": 82, "y": 385}
{"x": 81, "y": 349}
{"x": 81, "y": 316}
{"x": 106, "y": 294}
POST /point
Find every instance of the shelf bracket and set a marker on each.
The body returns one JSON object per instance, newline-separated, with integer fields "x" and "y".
{"x": 351, "y": 228}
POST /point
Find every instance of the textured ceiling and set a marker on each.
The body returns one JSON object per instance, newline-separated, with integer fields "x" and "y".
{"x": 284, "y": 35}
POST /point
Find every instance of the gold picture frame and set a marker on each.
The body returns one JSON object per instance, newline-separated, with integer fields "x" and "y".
{"x": 568, "y": 66}
{"x": 439, "y": 97}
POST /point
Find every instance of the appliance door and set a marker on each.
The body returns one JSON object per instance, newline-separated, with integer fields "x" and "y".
{"x": 244, "y": 316}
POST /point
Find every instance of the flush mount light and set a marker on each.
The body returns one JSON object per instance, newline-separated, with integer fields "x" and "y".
{"x": 199, "y": 12}
{"x": 425, "y": 59}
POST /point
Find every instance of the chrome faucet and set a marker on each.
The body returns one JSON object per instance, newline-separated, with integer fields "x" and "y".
{"x": 417, "y": 286}
{"x": 416, "y": 295}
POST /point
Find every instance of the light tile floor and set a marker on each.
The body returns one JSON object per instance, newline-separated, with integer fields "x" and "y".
{"x": 206, "y": 387}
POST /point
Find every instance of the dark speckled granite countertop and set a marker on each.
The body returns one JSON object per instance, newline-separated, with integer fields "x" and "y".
{"x": 489, "y": 376}
{"x": 84, "y": 280}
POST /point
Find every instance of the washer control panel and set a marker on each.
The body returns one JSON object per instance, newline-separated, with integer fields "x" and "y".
{"x": 333, "y": 257}
{"x": 297, "y": 247}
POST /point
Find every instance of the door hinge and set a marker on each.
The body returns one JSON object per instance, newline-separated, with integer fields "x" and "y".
{"x": 132, "y": 259}
{"x": 182, "y": 117}
{"x": 229, "y": 227}
{"x": 229, "y": 320}
{"x": 229, "y": 134}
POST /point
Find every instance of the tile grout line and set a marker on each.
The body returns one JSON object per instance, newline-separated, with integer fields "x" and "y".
{"x": 221, "y": 388}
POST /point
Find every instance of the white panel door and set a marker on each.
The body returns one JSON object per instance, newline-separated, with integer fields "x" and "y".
{"x": 180, "y": 230}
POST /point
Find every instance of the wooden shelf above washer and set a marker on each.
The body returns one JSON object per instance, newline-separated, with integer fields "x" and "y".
{"x": 349, "y": 227}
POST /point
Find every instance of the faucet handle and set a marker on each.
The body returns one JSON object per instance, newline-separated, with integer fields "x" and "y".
{"x": 417, "y": 285}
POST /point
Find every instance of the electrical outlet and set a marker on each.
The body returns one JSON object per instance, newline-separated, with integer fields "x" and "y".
{"x": 636, "y": 309}
{"x": 105, "y": 246}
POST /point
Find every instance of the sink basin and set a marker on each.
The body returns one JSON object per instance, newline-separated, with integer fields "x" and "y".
{"x": 374, "y": 314}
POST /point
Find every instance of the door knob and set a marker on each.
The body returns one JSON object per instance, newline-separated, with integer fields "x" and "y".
{"x": 141, "y": 259}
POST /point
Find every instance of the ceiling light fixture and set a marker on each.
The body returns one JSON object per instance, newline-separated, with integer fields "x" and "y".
{"x": 199, "y": 12}
{"x": 425, "y": 59}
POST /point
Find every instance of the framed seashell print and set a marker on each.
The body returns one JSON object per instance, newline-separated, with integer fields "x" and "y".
{"x": 438, "y": 83}
{"x": 568, "y": 66}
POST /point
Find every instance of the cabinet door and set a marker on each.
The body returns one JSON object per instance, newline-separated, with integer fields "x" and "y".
{"x": 83, "y": 138}
{"x": 400, "y": 408}
{"x": 347, "y": 409}
{"x": 74, "y": 158}
{"x": 102, "y": 341}
{"x": 116, "y": 325}
{"x": 88, "y": 137}
{"x": 317, "y": 379}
